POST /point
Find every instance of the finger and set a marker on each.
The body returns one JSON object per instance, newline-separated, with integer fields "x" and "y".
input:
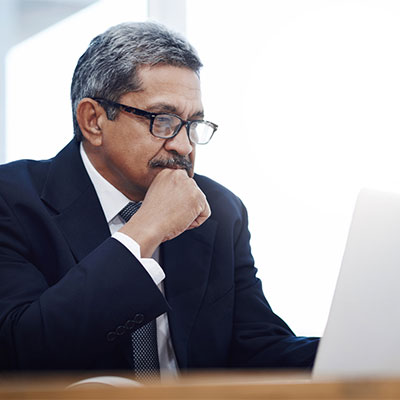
{"x": 202, "y": 217}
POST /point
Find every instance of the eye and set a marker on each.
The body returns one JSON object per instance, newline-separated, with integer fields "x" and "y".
{"x": 164, "y": 125}
{"x": 164, "y": 118}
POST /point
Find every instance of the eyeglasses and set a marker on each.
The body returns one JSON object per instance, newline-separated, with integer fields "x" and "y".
{"x": 167, "y": 126}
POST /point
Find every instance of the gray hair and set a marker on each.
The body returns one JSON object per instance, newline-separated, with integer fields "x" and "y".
{"x": 108, "y": 68}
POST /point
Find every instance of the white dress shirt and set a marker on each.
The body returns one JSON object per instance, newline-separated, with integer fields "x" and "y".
{"x": 112, "y": 202}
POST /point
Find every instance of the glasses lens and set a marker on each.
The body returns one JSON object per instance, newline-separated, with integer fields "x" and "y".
{"x": 201, "y": 132}
{"x": 165, "y": 125}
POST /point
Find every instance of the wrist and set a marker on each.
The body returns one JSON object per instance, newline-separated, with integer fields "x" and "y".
{"x": 144, "y": 235}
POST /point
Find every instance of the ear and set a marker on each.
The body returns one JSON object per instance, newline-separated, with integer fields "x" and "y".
{"x": 90, "y": 115}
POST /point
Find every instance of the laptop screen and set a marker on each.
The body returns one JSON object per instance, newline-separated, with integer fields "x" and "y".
{"x": 362, "y": 336}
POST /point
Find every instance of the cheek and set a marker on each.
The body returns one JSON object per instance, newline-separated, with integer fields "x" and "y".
{"x": 135, "y": 158}
{"x": 130, "y": 146}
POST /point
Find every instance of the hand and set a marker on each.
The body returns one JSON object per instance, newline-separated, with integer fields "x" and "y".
{"x": 173, "y": 204}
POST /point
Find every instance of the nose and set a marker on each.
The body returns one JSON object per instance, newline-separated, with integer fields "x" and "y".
{"x": 180, "y": 143}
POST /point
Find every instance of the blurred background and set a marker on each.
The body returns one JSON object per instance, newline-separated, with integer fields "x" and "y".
{"x": 306, "y": 94}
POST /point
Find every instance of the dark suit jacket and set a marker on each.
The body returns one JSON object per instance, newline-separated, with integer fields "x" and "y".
{"x": 70, "y": 294}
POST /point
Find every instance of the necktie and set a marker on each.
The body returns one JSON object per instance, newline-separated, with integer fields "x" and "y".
{"x": 144, "y": 339}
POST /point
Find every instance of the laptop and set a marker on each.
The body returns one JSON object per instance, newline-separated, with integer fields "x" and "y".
{"x": 362, "y": 335}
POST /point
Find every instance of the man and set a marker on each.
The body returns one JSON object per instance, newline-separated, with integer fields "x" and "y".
{"x": 74, "y": 297}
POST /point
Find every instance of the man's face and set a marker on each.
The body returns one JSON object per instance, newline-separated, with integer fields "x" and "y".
{"x": 130, "y": 156}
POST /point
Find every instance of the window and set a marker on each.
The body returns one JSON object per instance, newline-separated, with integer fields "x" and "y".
{"x": 39, "y": 73}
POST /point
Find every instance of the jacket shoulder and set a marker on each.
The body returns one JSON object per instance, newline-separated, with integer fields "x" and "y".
{"x": 221, "y": 199}
{"x": 213, "y": 188}
{"x": 17, "y": 175}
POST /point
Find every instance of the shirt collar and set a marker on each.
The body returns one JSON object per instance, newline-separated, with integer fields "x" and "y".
{"x": 111, "y": 199}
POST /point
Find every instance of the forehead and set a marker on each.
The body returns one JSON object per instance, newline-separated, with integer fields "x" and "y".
{"x": 166, "y": 84}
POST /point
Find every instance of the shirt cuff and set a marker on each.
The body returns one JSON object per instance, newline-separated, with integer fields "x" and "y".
{"x": 149, "y": 264}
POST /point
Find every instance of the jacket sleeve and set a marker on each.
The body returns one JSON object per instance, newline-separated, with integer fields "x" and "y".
{"x": 82, "y": 319}
{"x": 260, "y": 338}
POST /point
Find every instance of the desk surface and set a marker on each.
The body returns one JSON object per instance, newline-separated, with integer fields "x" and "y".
{"x": 236, "y": 385}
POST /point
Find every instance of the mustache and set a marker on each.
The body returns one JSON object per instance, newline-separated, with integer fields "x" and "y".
{"x": 176, "y": 162}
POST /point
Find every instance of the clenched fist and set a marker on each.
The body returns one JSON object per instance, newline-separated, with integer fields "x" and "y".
{"x": 173, "y": 204}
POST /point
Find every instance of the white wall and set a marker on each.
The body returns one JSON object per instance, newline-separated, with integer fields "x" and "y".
{"x": 307, "y": 96}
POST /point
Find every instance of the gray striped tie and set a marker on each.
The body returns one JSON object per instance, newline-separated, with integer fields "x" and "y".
{"x": 144, "y": 339}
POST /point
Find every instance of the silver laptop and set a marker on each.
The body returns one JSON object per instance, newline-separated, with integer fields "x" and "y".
{"x": 362, "y": 336}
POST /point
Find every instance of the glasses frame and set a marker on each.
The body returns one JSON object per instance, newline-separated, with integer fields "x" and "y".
{"x": 152, "y": 116}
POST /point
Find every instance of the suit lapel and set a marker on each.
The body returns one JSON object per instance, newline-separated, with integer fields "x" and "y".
{"x": 70, "y": 193}
{"x": 186, "y": 260}
{"x": 84, "y": 225}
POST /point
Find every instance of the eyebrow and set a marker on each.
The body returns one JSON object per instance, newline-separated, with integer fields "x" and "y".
{"x": 169, "y": 108}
